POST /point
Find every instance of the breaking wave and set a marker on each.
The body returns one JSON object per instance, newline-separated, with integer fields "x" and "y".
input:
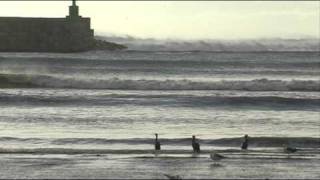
{"x": 47, "y": 81}
{"x": 257, "y": 45}
{"x": 166, "y": 100}
{"x": 301, "y": 142}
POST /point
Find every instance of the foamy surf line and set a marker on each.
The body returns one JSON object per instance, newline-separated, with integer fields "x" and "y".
{"x": 297, "y": 103}
{"x": 47, "y": 81}
{"x": 149, "y": 153}
{"x": 300, "y": 142}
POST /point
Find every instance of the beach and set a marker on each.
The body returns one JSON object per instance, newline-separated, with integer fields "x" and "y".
{"x": 94, "y": 115}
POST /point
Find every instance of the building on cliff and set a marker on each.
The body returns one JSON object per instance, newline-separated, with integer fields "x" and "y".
{"x": 70, "y": 34}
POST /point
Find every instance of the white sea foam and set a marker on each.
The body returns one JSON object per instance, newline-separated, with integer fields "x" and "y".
{"x": 142, "y": 84}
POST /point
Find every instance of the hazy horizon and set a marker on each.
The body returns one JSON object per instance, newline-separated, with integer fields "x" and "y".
{"x": 185, "y": 20}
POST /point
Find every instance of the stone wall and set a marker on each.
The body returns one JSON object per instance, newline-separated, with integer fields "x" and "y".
{"x": 45, "y": 34}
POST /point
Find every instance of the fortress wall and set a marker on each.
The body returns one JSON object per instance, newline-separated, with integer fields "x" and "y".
{"x": 45, "y": 34}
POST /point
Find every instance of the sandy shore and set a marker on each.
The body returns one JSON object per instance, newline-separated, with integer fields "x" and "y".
{"x": 249, "y": 164}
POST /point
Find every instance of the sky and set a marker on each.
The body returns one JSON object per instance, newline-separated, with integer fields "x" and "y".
{"x": 185, "y": 19}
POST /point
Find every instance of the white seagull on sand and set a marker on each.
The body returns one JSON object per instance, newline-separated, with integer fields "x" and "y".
{"x": 216, "y": 156}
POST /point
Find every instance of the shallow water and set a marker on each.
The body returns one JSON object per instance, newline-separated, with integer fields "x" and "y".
{"x": 144, "y": 167}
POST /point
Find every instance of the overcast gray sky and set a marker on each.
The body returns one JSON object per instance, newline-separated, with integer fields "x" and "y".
{"x": 185, "y": 20}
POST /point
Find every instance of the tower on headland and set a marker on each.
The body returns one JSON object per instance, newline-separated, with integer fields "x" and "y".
{"x": 72, "y": 33}
{"x": 74, "y": 11}
{"x": 28, "y": 34}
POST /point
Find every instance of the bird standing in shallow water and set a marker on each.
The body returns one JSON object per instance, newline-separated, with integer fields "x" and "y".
{"x": 245, "y": 144}
{"x": 171, "y": 177}
{"x": 157, "y": 145}
{"x": 195, "y": 145}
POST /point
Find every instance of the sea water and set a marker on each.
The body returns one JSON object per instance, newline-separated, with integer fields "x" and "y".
{"x": 94, "y": 114}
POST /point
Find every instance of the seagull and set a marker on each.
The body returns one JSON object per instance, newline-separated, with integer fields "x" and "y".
{"x": 195, "y": 145}
{"x": 288, "y": 149}
{"x": 157, "y": 145}
{"x": 216, "y": 156}
{"x": 171, "y": 177}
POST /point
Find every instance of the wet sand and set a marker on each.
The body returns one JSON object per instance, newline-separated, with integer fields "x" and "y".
{"x": 250, "y": 164}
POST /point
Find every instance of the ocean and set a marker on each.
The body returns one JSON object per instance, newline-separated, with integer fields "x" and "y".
{"x": 95, "y": 114}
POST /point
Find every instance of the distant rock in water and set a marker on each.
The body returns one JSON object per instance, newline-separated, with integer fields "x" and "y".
{"x": 105, "y": 45}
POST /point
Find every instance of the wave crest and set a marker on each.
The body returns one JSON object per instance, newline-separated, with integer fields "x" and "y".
{"x": 301, "y": 142}
{"x": 46, "y": 81}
